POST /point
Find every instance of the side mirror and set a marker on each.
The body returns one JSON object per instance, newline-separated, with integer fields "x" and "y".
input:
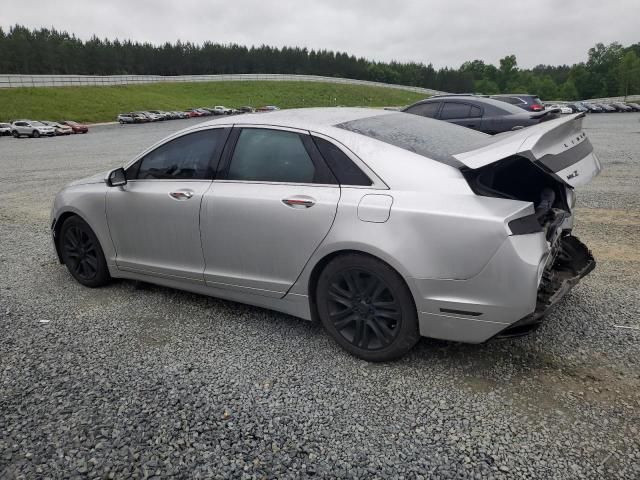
{"x": 117, "y": 177}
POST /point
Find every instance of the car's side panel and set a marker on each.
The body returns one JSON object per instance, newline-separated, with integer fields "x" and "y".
{"x": 154, "y": 232}
{"x": 253, "y": 241}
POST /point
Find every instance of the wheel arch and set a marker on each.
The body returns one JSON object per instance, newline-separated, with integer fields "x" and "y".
{"x": 57, "y": 227}
{"x": 319, "y": 266}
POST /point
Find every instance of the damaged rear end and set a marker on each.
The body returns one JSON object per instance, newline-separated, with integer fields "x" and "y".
{"x": 542, "y": 165}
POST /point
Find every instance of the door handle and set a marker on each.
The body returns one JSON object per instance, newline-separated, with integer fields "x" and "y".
{"x": 181, "y": 194}
{"x": 299, "y": 202}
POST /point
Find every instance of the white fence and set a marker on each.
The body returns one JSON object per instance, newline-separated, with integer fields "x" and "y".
{"x": 16, "y": 81}
{"x": 629, "y": 98}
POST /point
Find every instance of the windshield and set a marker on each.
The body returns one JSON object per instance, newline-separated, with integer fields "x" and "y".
{"x": 430, "y": 138}
{"x": 38, "y": 124}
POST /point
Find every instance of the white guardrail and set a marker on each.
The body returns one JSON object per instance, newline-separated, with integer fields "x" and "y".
{"x": 18, "y": 81}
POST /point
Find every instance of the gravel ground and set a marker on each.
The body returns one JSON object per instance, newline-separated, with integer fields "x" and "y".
{"x": 135, "y": 381}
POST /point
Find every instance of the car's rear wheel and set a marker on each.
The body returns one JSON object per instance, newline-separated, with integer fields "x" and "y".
{"x": 367, "y": 308}
{"x": 82, "y": 254}
{"x": 15, "y": 134}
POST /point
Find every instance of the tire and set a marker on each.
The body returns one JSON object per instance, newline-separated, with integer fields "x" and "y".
{"x": 15, "y": 134}
{"x": 367, "y": 308}
{"x": 35, "y": 134}
{"x": 82, "y": 254}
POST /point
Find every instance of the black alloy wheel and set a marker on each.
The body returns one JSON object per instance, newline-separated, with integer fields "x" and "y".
{"x": 367, "y": 308}
{"x": 363, "y": 309}
{"x": 82, "y": 254}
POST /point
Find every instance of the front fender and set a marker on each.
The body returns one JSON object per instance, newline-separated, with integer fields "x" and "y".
{"x": 88, "y": 201}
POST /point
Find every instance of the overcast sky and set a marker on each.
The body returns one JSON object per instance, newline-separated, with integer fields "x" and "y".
{"x": 442, "y": 32}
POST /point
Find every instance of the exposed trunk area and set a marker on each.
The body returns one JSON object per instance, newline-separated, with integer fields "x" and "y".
{"x": 518, "y": 178}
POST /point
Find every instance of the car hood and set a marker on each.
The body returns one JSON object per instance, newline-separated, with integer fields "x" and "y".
{"x": 97, "y": 178}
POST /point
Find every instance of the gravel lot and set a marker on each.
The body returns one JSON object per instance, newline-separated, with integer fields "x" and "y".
{"x": 134, "y": 381}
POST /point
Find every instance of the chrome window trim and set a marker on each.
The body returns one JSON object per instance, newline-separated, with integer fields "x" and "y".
{"x": 176, "y": 135}
{"x": 262, "y": 182}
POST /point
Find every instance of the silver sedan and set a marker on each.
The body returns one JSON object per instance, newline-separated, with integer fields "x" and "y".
{"x": 382, "y": 225}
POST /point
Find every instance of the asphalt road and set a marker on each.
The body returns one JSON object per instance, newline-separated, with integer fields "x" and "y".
{"x": 133, "y": 381}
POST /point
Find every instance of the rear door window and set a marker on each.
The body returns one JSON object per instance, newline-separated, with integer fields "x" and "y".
{"x": 455, "y": 110}
{"x": 475, "y": 112}
{"x": 265, "y": 155}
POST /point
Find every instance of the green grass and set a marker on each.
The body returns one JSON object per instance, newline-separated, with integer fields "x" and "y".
{"x": 98, "y": 104}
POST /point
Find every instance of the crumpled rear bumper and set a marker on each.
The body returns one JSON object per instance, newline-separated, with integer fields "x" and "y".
{"x": 572, "y": 261}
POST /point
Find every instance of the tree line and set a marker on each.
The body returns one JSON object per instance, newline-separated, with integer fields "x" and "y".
{"x": 611, "y": 70}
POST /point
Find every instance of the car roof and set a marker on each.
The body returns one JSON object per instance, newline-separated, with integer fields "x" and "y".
{"x": 304, "y": 118}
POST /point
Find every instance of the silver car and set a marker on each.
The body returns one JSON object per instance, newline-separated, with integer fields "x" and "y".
{"x": 31, "y": 128}
{"x": 384, "y": 226}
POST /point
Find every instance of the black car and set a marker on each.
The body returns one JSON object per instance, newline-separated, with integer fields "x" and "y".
{"x": 621, "y": 107}
{"x": 577, "y": 108}
{"x": 593, "y": 107}
{"x": 525, "y": 101}
{"x": 479, "y": 113}
{"x": 605, "y": 108}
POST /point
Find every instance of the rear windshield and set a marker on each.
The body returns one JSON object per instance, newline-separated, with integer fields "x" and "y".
{"x": 430, "y": 138}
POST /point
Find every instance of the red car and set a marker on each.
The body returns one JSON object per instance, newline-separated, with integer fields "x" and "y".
{"x": 75, "y": 126}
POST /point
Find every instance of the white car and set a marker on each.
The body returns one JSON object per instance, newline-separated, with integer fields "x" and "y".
{"x": 31, "y": 128}
{"x": 562, "y": 108}
{"x": 5, "y": 129}
{"x": 221, "y": 110}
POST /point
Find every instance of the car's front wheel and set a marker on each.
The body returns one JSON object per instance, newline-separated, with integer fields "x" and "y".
{"x": 82, "y": 254}
{"x": 367, "y": 308}
{"x": 35, "y": 134}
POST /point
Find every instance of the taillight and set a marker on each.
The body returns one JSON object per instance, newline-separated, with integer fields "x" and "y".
{"x": 536, "y": 108}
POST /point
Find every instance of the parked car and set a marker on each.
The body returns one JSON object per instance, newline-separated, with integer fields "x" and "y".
{"x": 524, "y": 101}
{"x": 621, "y": 107}
{"x": 160, "y": 114}
{"x": 126, "y": 118}
{"x": 634, "y": 106}
{"x": 246, "y": 109}
{"x": 199, "y": 112}
{"x": 268, "y": 108}
{"x": 59, "y": 128}
{"x": 221, "y": 110}
{"x": 31, "y": 128}
{"x": 593, "y": 107}
{"x": 478, "y": 113}
{"x": 75, "y": 126}
{"x": 564, "y": 109}
{"x": 577, "y": 108}
{"x": 382, "y": 225}
{"x": 605, "y": 108}
{"x": 5, "y": 129}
